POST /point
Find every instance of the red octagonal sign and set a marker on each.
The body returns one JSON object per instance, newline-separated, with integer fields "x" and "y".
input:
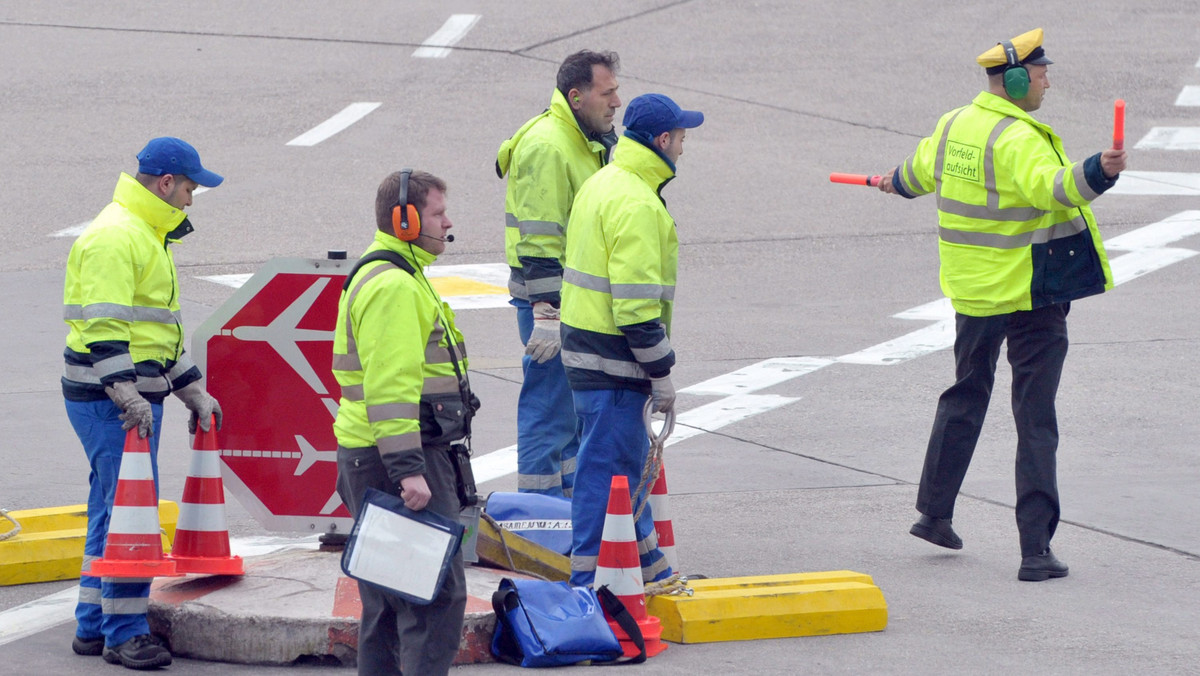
{"x": 266, "y": 355}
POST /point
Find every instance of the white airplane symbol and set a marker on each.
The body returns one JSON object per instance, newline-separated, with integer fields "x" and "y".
{"x": 310, "y": 456}
{"x": 282, "y": 334}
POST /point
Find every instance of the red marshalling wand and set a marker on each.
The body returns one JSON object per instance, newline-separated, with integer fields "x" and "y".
{"x": 854, "y": 179}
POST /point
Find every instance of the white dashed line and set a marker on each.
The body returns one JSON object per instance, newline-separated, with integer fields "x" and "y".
{"x": 438, "y": 45}
{"x": 349, "y": 115}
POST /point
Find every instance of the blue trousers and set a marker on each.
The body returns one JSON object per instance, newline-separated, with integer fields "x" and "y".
{"x": 547, "y": 429}
{"x": 613, "y": 443}
{"x": 114, "y": 608}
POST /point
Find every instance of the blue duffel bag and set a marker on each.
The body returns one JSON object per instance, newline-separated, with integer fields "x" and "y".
{"x": 543, "y": 519}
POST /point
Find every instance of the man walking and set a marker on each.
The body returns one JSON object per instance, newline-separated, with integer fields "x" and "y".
{"x": 1017, "y": 242}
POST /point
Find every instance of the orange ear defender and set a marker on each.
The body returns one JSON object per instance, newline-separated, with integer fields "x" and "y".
{"x": 406, "y": 222}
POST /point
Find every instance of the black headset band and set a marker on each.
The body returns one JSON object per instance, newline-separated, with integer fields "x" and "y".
{"x": 402, "y": 199}
{"x": 1010, "y": 53}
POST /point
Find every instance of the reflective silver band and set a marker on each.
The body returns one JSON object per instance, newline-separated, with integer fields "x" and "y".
{"x": 643, "y": 291}
{"x": 89, "y": 594}
{"x": 652, "y": 354}
{"x": 583, "y": 564}
{"x": 181, "y": 367}
{"x": 540, "y": 228}
{"x": 544, "y": 285}
{"x": 114, "y": 364}
{"x": 613, "y": 367}
{"x": 586, "y": 281}
{"x": 353, "y": 392}
{"x": 1024, "y": 239}
{"x": 538, "y": 482}
{"x": 381, "y": 412}
{"x": 400, "y": 443}
{"x": 125, "y": 606}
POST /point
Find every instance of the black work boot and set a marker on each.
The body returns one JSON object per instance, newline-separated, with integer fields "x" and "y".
{"x": 139, "y": 652}
{"x": 88, "y": 647}
{"x": 937, "y": 531}
{"x": 1041, "y": 567}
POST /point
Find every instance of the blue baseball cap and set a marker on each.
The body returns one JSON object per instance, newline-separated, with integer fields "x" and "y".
{"x": 169, "y": 155}
{"x": 654, "y": 114}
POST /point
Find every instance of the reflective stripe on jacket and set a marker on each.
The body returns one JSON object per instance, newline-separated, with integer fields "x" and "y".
{"x": 546, "y": 162}
{"x": 619, "y": 283}
{"x": 1016, "y": 231}
{"x": 391, "y": 356}
{"x": 121, "y": 300}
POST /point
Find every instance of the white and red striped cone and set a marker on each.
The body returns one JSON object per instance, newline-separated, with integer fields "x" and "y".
{"x": 660, "y": 508}
{"x": 618, "y": 567}
{"x": 134, "y": 544}
{"x": 202, "y": 536}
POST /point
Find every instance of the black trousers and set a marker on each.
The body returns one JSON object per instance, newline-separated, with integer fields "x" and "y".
{"x": 1037, "y": 348}
{"x": 394, "y": 632}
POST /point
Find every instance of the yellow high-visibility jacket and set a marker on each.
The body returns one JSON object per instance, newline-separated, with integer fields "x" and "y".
{"x": 619, "y": 283}
{"x": 1015, "y": 229}
{"x": 391, "y": 356}
{"x": 546, "y": 162}
{"x": 121, "y": 300}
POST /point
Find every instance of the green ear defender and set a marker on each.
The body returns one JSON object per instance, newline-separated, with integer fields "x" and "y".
{"x": 1016, "y": 76}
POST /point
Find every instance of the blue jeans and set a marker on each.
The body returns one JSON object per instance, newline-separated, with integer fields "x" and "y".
{"x": 614, "y": 442}
{"x": 113, "y": 609}
{"x": 547, "y": 429}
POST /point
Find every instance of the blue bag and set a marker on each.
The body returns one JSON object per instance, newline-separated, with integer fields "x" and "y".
{"x": 552, "y": 624}
{"x": 544, "y": 519}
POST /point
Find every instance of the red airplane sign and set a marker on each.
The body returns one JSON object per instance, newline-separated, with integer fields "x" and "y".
{"x": 266, "y": 356}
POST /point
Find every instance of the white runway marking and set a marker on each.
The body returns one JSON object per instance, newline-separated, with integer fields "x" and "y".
{"x": 438, "y": 45}
{"x": 1190, "y": 96}
{"x": 1171, "y": 138}
{"x": 77, "y": 229}
{"x": 348, "y": 116}
{"x": 1156, "y": 183}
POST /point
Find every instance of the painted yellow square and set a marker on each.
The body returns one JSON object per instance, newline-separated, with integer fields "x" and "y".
{"x": 461, "y": 286}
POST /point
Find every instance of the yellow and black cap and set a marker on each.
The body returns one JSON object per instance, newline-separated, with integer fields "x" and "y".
{"x": 1028, "y": 48}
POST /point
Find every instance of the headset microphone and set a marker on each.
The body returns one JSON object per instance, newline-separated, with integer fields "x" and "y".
{"x": 447, "y": 238}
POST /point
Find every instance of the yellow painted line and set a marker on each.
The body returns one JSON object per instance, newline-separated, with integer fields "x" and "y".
{"x": 50, "y": 544}
{"x": 739, "y": 609}
{"x": 462, "y": 286}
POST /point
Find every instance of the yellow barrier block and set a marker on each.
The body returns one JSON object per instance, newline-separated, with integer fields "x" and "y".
{"x": 507, "y": 550}
{"x": 773, "y": 606}
{"x": 50, "y": 544}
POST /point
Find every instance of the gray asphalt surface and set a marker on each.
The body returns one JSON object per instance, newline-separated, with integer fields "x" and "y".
{"x": 775, "y": 262}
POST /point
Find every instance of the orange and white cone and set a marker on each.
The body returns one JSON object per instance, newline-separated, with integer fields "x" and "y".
{"x": 660, "y": 508}
{"x": 134, "y": 544}
{"x": 618, "y": 567}
{"x": 202, "y": 536}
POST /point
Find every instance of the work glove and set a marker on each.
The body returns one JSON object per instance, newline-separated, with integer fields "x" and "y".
{"x": 545, "y": 340}
{"x": 135, "y": 410}
{"x": 662, "y": 394}
{"x": 202, "y": 405}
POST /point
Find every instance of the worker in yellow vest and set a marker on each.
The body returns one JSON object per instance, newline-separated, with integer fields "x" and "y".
{"x": 1018, "y": 242}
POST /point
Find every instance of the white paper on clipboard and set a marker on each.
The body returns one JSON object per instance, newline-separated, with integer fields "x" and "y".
{"x": 399, "y": 553}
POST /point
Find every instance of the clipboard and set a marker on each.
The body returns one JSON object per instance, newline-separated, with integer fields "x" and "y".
{"x": 404, "y": 552}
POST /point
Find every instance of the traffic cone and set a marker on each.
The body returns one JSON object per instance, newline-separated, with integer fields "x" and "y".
{"x": 660, "y": 508}
{"x": 618, "y": 567}
{"x": 202, "y": 536}
{"x": 134, "y": 546}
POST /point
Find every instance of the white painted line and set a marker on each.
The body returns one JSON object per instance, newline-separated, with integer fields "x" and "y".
{"x": 1171, "y": 138}
{"x": 77, "y": 229}
{"x": 438, "y": 45}
{"x": 38, "y": 615}
{"x": 758, "y": 376}
{"x": 1134, "y": 264}
{"x": 1156, "y": 235}
{"x": 1190, "y": 96}
{"x": 1156, "y": 183}
{"x": 707, "y": 418}
{"x": 236, "y": 281}
{"x": 919, "y": 343}
{"x": 349, "y": 115}
{"x": 713, "y": 416}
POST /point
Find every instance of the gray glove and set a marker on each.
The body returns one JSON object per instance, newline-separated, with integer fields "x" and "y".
{"x": 662, "y": 394}
{"x": 135, "y": 410}
{"x": 202, "y": 405}
{"x": 545, "y": 340}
